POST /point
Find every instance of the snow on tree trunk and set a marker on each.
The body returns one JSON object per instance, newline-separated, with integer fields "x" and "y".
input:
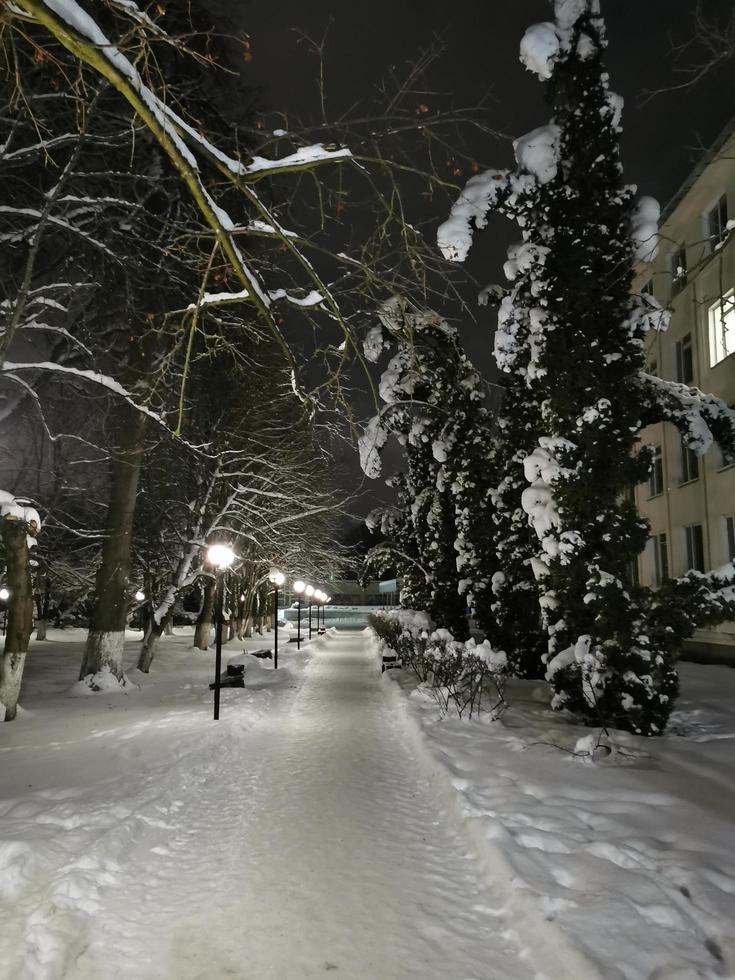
{"x": 20, "y": 612}
{"x": 104, "y": 650}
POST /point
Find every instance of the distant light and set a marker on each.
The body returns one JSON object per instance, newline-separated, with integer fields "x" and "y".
{"x": 139, "y": 596}
{"x": 4, "y": 595}
{"x": 299, "y": 586}
{"x": 309, "y": 590}
{"x": 276, "y": 578}
{"x": 220, "y": 555}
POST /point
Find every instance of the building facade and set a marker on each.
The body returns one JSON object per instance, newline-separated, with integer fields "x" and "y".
{"x": 689, "y": 500}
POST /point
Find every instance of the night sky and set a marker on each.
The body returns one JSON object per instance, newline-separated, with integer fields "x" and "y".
{"x": 663, "y": 135}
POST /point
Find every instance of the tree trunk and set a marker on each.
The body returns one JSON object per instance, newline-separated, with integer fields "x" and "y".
{"x": 150, "y": 642}
{"x": 20, "y": 613}
{"x": 206, "y": 616}
{"x": 104, "y": 650}
{"x": 168, "y": 626}
{"x": 41, "y": 627}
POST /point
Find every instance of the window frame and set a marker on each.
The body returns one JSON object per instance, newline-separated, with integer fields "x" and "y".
{"x": 660, "y": 558}
{"x": 716, "y": 231}
{"x": 718, "y": 313}
{"x": 657, "y": 468}
{"x": 694, "y": 543}
{"x": 689, "y": 469}
{"x": 684, "y": 355}
{"x": 678, "y": 281}
{"x": 728, "y": 521}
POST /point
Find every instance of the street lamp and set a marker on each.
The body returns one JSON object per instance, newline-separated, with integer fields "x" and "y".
{"x": 4, "y": 596}
{"x": 299, "y": 588}
{"x": 326, "y": 603}
{"x": 309, "y": 590}
{"x": 220, "y": 557}
{"x": 276, "y": 578}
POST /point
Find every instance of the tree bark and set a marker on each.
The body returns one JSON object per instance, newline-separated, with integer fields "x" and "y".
{"x": 104, "y": 650}
{"x": 20, "y": 613}
{"x": 206, "y": 616}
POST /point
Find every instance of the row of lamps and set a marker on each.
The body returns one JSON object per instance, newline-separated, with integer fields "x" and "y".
{"x": 220, "y": 557}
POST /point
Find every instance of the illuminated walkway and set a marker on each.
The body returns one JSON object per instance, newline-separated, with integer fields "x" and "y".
{"x": 316, "y": 847}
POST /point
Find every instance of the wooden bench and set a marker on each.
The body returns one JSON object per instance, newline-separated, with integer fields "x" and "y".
{"x": 391, "y": 662}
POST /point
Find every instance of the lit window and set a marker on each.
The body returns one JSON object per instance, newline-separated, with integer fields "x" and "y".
{"x": 685, "y": 360}
{"x": 689, "y": 464}
{"x": 695, "y": 547}
{"x": 660, "y": 559}
{"x": 656, "y": 478}
{"x": 678, "y": 268}
{"x": 721, "y": 323}
{"x": 716, "y": 222}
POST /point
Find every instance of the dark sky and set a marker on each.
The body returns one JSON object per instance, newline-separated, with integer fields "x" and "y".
{"x": 663, "y": 136}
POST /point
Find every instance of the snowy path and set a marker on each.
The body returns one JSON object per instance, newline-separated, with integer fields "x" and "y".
{"x": 315, "y": 844}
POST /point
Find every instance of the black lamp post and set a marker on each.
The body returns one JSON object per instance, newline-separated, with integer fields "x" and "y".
{"x": 220, "y": 556}
{"x": 299, "y": 588}
{"x": 276, "y": 578}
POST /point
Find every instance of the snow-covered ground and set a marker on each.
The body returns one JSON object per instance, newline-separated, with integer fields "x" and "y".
{"x": 631, "y": 855}
{"x": 330, "y": 821}
{"x": 298, "y": 835}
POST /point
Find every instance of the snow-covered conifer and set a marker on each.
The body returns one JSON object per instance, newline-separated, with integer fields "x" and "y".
{"x": 435, "y": 407}
{"x": 571, "y": 336}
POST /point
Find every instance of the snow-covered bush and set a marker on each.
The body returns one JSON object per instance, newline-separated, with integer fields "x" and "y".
{"x": 463, "y": 676}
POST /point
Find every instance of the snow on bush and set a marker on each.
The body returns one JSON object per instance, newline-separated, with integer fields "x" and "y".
{"x": 458, "y": 674}
{"x": 480, "y": 193}
{"x": 369, "y": 444}
{"x": 538, "y": 152}
{"x": 540, "y": 48}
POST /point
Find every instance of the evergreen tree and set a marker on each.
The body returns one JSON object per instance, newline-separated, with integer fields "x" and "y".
{"x": 435, "y": 409}
{"x": 571, "y": 335}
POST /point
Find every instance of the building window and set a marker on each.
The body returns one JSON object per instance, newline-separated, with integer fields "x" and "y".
{"x": 685, "y": 360}
{"x": 647, "y": 287}
{"x": 727, "y": 459}
{"x": 716, "y": 223}
{"x": 689, "y": 463}
{"x": 656, "y": 477}
{"x": 695, "y": 547}
{"x": 660, "y": 558}
{"x": 721, "y": 323}
{"x": 678, "y": 269}
{"x": 729, "y": 537}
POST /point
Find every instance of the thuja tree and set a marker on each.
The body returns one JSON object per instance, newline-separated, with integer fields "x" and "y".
{"x": 434, "y": 407}
{"x": 571, "y": 336}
